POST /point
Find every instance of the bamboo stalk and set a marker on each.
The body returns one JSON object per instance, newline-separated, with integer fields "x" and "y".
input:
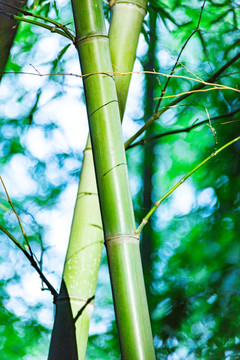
{"x": 123, "y": 42}
{"x": 113, "y": 186}
{"x": 86, "y": 230}
{"x": 74, "y": 305}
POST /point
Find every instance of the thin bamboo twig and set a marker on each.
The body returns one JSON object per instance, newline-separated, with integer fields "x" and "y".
{"x": 156, "y": 115}
{"x": 179, "y": 55}
{"x": 17, "y": 216}
{"x": 28, "y": 13}
{"x": 186, "y": 129}
{"x": 200, "y": 90}
{"x": 180, "y": 182}
{"x": 32, "y": 261}
{"x": 30, "y": 255}
{"x": 53, "y": 29}
{"x": 116, "y": 74}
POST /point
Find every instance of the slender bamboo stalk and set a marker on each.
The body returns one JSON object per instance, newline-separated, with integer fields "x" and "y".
{"x": 74, "y": 305}
{"x": 123, "y": 42}
{"x": 147, "y": 239}
{"x": 86, "y": 230}
{"x": 112, "y": 178}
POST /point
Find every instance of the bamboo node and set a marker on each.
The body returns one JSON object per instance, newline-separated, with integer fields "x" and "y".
{"x": 87, "y": 148}
{"x": 72, "y": 298}
{"x": 113, "y": 2}
{"x": 89, "y": 37}
{"x": 122, "y": 239}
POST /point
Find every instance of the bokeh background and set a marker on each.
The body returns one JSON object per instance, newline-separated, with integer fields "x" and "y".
{"x": 191, "y": 246}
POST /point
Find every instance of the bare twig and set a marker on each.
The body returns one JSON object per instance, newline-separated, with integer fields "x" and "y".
{"x": 201, "y": 84}
{"x": 214, "y": 86}
{"x": 30, "y": 255}
{"x": 156, "y": 116}
{"x": 184, "y": 130}
{"x": 32, "y": 261}
{"x": 179, "y": 55}
{"x": 18, "y": 218}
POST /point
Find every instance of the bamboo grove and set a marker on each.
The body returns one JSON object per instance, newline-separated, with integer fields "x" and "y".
{"x": 104, "y": 212}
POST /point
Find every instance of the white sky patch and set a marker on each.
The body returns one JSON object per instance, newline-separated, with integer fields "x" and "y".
{"x": 72, "y": 67}
{"x": 37, "y": 144}
{"x": 61, "y": 3}
{"x": 71, "y": 116}
{"x": 45, "y": 316}
{"x": 207, "y": 197}
{"x": 135, "y": 184}
{"x": 6, "y": 271}
{"x": 46, "y": 44}
{"x": 57, "y": 224}
{"x": 60, "y": 219}
{"x": 183, "y": 199}
{"x": 28, "y": 293}
{"x": 12, "y": 109}
{"x": 142, "y": 46}
{"x": 134, "y": 103}
{"x": 16, "y": 177}
{"x": 165, "y": 58}
{"x": 31, "y": 288}
{"x": 32, "y": 82}
{"x": 14, "y": 304}
{"x": 5, "y": 88}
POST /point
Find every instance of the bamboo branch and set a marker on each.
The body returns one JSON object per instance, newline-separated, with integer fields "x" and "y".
{"x": 51, "y": 21}
{"x": 156, "y": 115}
{"x": 32, "y": 261}
{"x": 180, "y": 182}
{"x": 30, "y": 255}
{"x": 178, "y": 131}
{"x": 179, "y": 55}
{"x": 53, "y": 29}
{"x": 215, "y": 86}
{"x": 18, "y": 219}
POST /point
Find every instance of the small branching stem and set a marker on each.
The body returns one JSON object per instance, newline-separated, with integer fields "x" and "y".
{"x": 184, "y": 130}
{"x": 156, "y": 116}
{"x": 30, "y": 255}
{"x": 17, "y": 216}
{"x": 32, "y": 261}
{"x": 58, "y": 27}
{"x": 179, "y": 55}
{"x": 154, "y": 208}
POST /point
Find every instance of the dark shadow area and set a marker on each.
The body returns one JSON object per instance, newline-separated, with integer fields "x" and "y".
{"x": 63, "y": 344}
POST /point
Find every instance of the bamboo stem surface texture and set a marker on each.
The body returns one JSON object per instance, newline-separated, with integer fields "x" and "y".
{"x": 113, "y": 185}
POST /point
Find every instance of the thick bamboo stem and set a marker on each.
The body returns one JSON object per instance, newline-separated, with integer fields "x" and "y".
{"x": 86, "y": 227}
{"x": 113, "y": 186}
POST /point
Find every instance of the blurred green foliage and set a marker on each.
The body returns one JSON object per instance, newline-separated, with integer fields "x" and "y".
{"x": 193, "y": 266}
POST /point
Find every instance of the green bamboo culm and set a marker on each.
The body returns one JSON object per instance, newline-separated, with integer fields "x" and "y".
{"x": 86, "y": 234}
{"x": 123, "y": 41}
{"x": 113, "y": 185}
{"x": 74, "y": 304}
